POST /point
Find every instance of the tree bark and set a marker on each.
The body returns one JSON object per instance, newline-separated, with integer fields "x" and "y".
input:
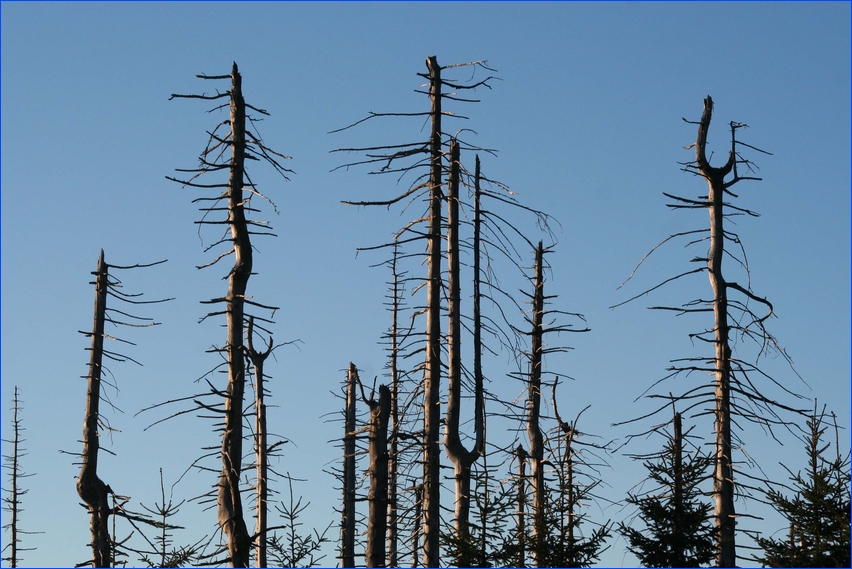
{"x": 723, "y": 477}
{"x": 92, "y": 490}
{"x": 432, "y": 372}
{"x": 260, "y": 447}
{"x": 462, "y": 458}
{"x": 348, "y": 525}
{"x": 393, "y": 461}
{"x": 230, "y": 507}
{"x": 568, "y": 494}
{"x": 378, "y": 495}
{"x": 478, "y": 379}
{"x": 418, "y": 524}
{"x": 534, "y": 410}
{"x": 13, "y": 500}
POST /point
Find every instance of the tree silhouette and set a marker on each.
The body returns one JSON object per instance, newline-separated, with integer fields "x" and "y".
{"x": 818, "y": 510}
{"x": 12, "y": 502}
{"x": 739, "y": 387}
{"x": 94, "y": 492}
{"x": 237, "y": 193}
{"x": 678, "y": 527}
{"x": 169, "y": 556}
{"x": 430, "y": 155}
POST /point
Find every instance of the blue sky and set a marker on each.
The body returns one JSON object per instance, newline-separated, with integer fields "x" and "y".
{"x": 587, "y": 120}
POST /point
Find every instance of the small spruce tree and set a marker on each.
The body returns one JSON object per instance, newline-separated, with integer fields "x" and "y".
{"x": 818, "y": 512}
{"x": 679, "y": 528}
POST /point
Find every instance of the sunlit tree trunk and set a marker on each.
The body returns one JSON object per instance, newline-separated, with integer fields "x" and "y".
{"x": 261, "y": 447}
{"x": 378, "y": 494}
{"x": 432, "y": 372}
{"x": 393, "y": 453}
{"x": 462, "y": 458}
{"x": 534, "y": 410}
{"x": 92, "y": 490}
{"x": 723, "y": 478}
{"x": 230, "y": 506}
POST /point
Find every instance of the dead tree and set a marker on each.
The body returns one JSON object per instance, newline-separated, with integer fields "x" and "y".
{"x": 230, "y": 502}
{"x": 569, "y": 504}
{"x": 723, "y": 479}
{"x": 441, "y": 174}
{"x": 571, "y": 548}
{"x": 237, "y": 194}
{"x": 261, "y": 445}
{"x": 432, "y": 156}
{"x": 393, "y": 452}
{"x": 418, "y": 525}
{"x": 347, "y": 527}
{"x": 432, "y": 365}
{"x": 733, "y": 393}
{"x": 12, "y": 502}
{"x": 461, "y": 457}
{"x": 378, "y": 472}
{"x": 534, "y": 432}
{"x": 94, "y": 492}
{"x": 400, "y": 439}
{"x": 376, "y": 429}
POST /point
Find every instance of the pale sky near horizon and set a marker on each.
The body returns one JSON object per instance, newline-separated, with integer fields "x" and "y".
{"x": 586, "y": 117}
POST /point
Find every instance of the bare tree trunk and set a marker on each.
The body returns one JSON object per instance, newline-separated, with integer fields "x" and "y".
{"x": 92, "y": 490}
{"x": 568, "y": 495}
{"x": 393, "y": 462}
{"x": 534, "y": 410}
{"x": 462, "y": 458}
{"x": 418, "y": 524}
{"x": 348, "y": 525}
{"x": 432, "y": 371}
{"x": 14, "y": 499}
{"x": 260, "y": 446}
{"x": 378, "y": 495}
{"x": 723, "y": 478}
{"x": 570, "y": 501}
{"x": 230, "y": 511}
{"x": 478, "y": 379}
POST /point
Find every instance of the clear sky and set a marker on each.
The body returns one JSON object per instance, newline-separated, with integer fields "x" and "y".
{"x": 586, "y": 117}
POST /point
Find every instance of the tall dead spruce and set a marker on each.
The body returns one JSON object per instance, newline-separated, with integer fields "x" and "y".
{"x": 237, "y": 194}
{"x": 431, "y": 154}
{"x": 534, "y": 431}
{"x": 261, "y": 445}
{"x": 733, "y": 392}
{"x": 378, "y": 494}
{"x": 347, "y": 524}
{"x": 12, "y": 502}
{"x": 572, "y": 457}
{"x": 94, "y": 492}
{"x": 439, "y": 178}
{"x": 461, "y": 457}
{"x": 432, "y": 365}
{"x": 538, "y": 349}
